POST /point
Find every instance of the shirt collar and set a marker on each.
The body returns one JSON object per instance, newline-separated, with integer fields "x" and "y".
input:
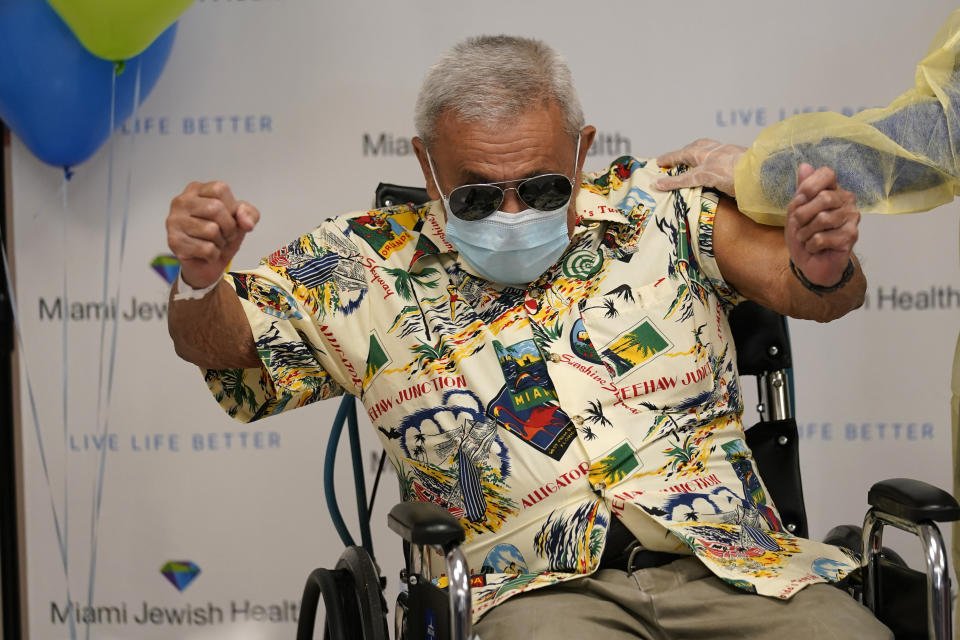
{"x": 433, "y": 238}
{"x": 603, "y": 194}
{"x": 593, "y": 206}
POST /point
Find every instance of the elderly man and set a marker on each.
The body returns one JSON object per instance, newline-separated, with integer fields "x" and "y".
{"x": 546, "y": 354}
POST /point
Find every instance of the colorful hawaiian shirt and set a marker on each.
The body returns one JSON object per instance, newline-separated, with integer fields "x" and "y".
{"x": 607, "y": 388}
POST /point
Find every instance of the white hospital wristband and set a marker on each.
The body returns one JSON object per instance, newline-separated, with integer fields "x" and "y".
{"x": 186, "y": 292}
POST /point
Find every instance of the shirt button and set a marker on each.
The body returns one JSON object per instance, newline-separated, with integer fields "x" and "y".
{"x": 577, "y": 420}
{"x": 553, "y": 357}
{"x": 536, "y": 292}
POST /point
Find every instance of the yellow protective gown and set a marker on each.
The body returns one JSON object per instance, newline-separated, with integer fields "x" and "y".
{"x": 902, "y": 158}
{"x": 898, "y": 159}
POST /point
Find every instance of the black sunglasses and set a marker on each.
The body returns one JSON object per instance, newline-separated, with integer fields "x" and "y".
{"x": 477, "y": 201}
{"x": 546, "y": 192}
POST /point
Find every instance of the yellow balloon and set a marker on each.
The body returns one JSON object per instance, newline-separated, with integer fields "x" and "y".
{"x": 118, "y": 29}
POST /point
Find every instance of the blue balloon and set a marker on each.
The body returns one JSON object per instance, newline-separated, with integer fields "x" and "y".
{"x": 54, "y": 94}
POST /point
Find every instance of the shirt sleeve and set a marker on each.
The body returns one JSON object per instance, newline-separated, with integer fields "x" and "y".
{"x": 700, "y": 221}
{"x": 302, "y": 303}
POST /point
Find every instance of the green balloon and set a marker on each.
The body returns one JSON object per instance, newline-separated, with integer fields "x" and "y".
{"x": 118, "y": 29}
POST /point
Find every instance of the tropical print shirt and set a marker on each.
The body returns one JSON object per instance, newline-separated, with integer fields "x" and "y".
{"x": 607, "y": 388}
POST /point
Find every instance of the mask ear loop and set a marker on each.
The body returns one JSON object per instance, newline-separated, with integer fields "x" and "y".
{"x": 576, "y": 158}
{"x": 573, "y": 178}
{"x": 433, "y": 174}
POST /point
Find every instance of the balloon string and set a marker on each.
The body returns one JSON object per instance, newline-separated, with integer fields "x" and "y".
{"x": 98, "y": 486}
{"x": 24, "y": 362}
{"x": 123, "y": 244}
{"x": 103, "y": 322}
{"x": 106, "y": 245}
{"x": 65, "y": 381}
{"x": 123, "y": 230}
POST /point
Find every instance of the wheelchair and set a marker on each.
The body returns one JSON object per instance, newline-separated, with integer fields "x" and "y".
{"x": 913, "y": 604}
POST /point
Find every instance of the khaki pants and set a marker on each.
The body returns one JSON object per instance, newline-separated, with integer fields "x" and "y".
{"x": 678, "y": 600}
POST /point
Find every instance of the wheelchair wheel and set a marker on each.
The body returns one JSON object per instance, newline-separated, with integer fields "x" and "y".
{"x": 371, "y": 606}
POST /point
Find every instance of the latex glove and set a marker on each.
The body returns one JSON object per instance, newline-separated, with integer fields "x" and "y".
{"x": 821, "y": 226}
{"x": 711, "y": 165}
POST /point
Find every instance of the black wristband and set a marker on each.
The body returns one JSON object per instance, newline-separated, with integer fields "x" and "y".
{"x": 818, "y": 289}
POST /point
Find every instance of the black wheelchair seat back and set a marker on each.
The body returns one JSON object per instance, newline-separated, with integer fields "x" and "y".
{"x": 763, "y": 351}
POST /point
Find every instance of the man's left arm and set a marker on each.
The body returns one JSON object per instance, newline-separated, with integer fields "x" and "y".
{"x": 818, "y": 238}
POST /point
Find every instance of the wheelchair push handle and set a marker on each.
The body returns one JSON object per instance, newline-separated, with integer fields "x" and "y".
{"x": 426, "y": 524}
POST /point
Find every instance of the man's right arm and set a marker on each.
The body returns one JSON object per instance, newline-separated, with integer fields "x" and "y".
{"x": 212, "y": 332}
{"x": 205, "y": 228}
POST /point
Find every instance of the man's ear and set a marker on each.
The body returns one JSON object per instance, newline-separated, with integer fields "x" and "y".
{"x": 421, "y": 150}
{"x": 587, "y": 135}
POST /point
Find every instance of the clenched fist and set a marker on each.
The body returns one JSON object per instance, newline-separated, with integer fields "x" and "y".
{"x": 821, "y": 226}
{"x": 205, "y": 228}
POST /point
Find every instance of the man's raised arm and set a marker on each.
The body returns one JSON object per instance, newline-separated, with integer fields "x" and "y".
{"x": 205, "y": 228}
{"x": 805, "y": 269}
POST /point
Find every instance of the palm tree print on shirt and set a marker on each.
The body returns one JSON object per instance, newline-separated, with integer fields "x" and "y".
{"x": 572, "y": 542}
{"x": 633, "y": 348}
{"x": 405, "y": 281}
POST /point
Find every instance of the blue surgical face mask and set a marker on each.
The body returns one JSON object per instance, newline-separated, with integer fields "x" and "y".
{"x": 510, "y": 248}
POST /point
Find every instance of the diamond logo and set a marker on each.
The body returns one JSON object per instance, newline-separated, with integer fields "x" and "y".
{"x": 166, "y": 266}
{"x": 180, "y": 573}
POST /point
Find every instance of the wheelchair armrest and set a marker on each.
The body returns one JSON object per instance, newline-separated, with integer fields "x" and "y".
{"x": 425, "y": 523}
{"x": 913, "y": 500}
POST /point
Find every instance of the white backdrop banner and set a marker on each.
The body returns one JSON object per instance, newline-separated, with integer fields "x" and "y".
{"x": 207, "y": 528}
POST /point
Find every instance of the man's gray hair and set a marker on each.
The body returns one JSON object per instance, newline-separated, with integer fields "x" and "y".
{"x": 491, "y": 79}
